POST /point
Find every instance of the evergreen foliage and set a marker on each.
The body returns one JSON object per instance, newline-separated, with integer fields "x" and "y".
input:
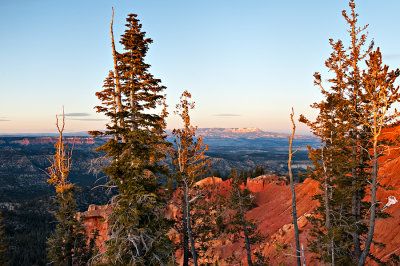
{"x": 137, "y": 148}
{"x": 208, "y": 216}
{"x": 250, "y": 173}
{"x": 241, "y": 200}
{"x": 68, "y": 244}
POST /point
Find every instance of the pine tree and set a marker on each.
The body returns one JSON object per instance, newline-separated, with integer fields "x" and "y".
{"x": 68, "y": 244}
{"x": 137, "y": 147}
{"x": 378, "y": 94}
{"x": 208, "y": 219}
{"x": 340, "y": 165}
{"x": 241, "y": 200}
{"x": 344, "y": 165}
{"x": 332, "y": 165}
{"x": 190, "y": 164}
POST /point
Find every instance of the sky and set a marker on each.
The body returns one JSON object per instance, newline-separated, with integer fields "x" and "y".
{"x": 246, "y": 63}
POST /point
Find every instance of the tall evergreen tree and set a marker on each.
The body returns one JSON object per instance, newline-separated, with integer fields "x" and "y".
{"x": 341, "y": 165}
{"x": 332, "y": 165}
{"x": 137, "y": 147}
{"x": 378, "y": 95}
{"x": 344, "y": 165}
{"x": 68, "y": 244}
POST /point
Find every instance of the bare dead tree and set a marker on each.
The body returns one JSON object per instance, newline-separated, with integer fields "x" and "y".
{"x": 61, "y": 162}
{"x": 294, "y": 213}
{"x": 116, "y": 74}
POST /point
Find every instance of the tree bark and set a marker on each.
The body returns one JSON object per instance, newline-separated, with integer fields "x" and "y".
{"x": 117, "y": 96}
{"x": 327, "y": 207}
{"x": 356, "y": 201}
{"x": 189, "y": 226}
{"x": 185, "y": 235}
{"x": 372, "y": 217}
{"x": 294, "y": 213}
{"x": 303, "y": 257}
{"x": 116, "y": 75}
{"x": 245, "y": 232}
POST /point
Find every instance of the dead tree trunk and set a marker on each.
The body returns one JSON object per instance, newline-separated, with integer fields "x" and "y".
{"x": 116, "y": 74}
{"x": 296, "y": 229}
{"x": 117, "y": 93}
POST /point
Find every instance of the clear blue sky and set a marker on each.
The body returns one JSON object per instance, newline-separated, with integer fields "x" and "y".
{"x": 245, "y": 62}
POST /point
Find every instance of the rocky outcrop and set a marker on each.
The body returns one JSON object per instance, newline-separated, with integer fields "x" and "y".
{"x": 96, "y": 218}
{"x": 273, "y": 212}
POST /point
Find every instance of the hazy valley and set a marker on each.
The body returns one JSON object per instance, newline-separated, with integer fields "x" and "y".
{"x": 23, "y": 159}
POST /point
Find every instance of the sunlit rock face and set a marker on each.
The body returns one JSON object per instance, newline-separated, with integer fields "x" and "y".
{"x": 96, "y": 218}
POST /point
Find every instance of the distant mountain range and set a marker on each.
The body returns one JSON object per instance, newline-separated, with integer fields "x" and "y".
{"x": 241, "y": 132}
{"x": 205, "y": 132}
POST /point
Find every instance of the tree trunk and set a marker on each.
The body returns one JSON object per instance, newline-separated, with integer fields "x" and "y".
{"x": 303, "y": 257}
{"x": 189, "y": 226}
{"x": 116, "y": 75}
{"x": 69, "y": 251}
{"x": 185, "y": 235}
{"x": 245, "y": 233}
{"x": 296, "y": 229}
{"x": 117, "y": 96}
{"x": 372, "y": 217}
{"x": 356, "y": 201}
{"x": 327, "y": 207}
{"x": 133, "y": 105}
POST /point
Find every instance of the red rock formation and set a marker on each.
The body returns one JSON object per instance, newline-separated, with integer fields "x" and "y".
{"x": 273, "y": 211}
{"x": 96, "y": 218}
{"x": 24, "y": 141}
{"x": 47, "y": 140}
